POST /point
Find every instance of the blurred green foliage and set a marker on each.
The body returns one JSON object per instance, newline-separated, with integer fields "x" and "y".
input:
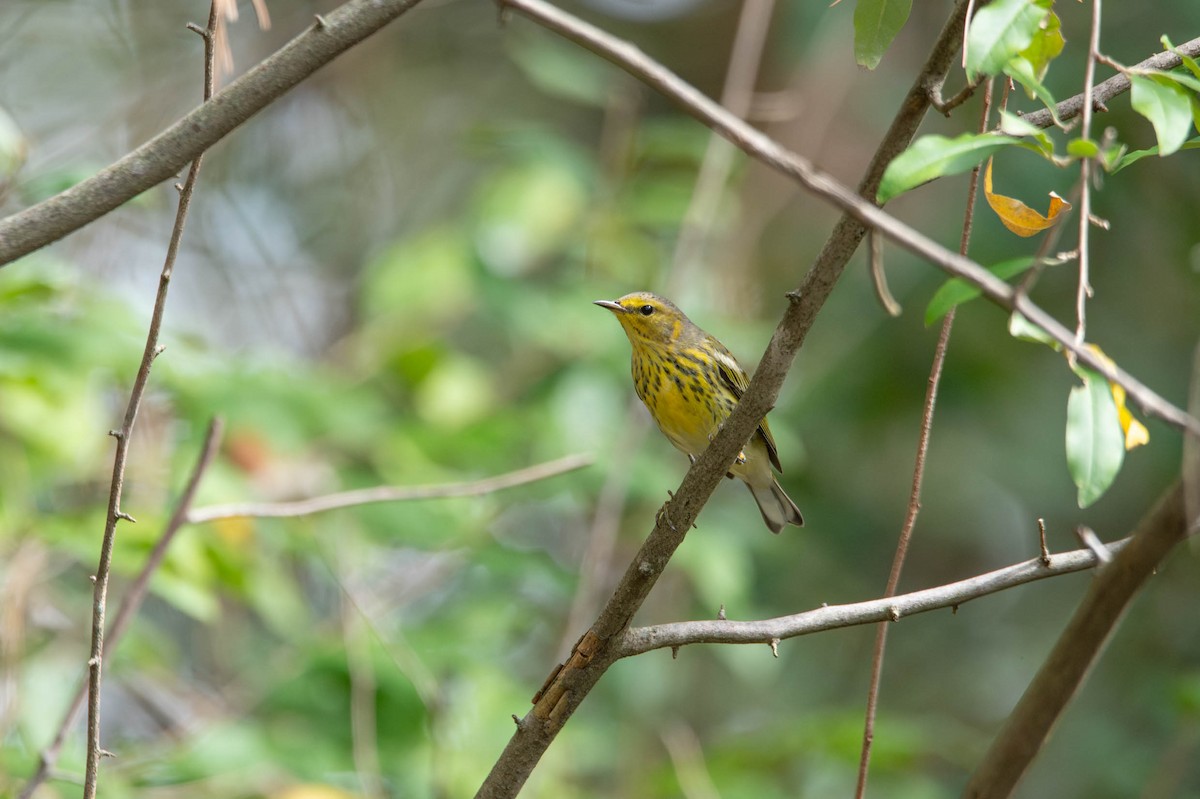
{"x": 386, "y": 280}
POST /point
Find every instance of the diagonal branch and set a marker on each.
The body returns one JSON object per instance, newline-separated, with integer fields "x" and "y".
{"x": 1077, "y": 649}
{"x": 366, "y": 496}
{"x": 860, "y": 214}
{"x": 124, "y": 433}
{"x": 1117, "y": 84}
{"x": 639, "y": 640}
{"x": 163, "y": 156}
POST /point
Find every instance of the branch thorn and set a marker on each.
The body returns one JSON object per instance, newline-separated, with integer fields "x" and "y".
{"x": 894, "y": 613}
{"x": 1042, "y": 535}
{"x": 775, "y": 647}
{"x": 321, "y": 23}
{"x": 721, "y": 613}
{"x": 117, "y": 434}
{"x": 674, "y": 653}
{"x": 123, "y": 515}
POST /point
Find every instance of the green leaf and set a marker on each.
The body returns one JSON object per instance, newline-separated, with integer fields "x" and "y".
{"x": 1095, "y": 441}
{"x": 1013, "y": 125}
{"x": 932, "y": 157}
{"x": 1188, "y": 61}
{"x": 1083, "y": 148}
{"x": 1168, "y": 107}
{"x": 999, "y": 32}
{"x": 1046, "y": 46}
{"x": 1020, "y": 70}
{"x": 1021, "y": 328}
{"x": 1137, "y": 155}
{"x": 876, "y": 23}
{"x": 956, "y": 291}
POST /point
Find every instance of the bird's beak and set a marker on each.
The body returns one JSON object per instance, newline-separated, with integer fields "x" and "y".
{"x": 612, "y": 306}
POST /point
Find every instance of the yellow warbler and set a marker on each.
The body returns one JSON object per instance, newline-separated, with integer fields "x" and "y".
{"x": 690, "y": 383}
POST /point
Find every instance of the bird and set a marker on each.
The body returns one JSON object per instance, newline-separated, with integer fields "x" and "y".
{"x": 690, "y": 383}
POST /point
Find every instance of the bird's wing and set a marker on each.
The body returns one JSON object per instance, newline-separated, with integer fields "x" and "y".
{"x": 735, "y": 378}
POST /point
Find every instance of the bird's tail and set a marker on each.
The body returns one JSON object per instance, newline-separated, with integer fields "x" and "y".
{"x": 776, "y": 506}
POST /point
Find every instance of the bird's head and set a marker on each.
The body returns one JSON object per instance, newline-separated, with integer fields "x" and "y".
{"x": 647, "y": 317}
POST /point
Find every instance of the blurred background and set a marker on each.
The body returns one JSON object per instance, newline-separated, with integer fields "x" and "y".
{"x": 386, "y": 279}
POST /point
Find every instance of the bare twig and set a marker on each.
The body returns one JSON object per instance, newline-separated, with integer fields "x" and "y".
{"x": 1084, "y": 289}
{"x": 639, "y": 640}
{"x": 846, "y": 236}
{"x": 166, "y": 154}
{"x": 1044, "y": 548}
{"x": 365, "y": 496}
{"x": 152, "y": 351}
{"x": 1106, "y": 90}
{"x": 914, "y": 497}
{"x": 1076, "y": 650}
{"x": 130, "y": 603}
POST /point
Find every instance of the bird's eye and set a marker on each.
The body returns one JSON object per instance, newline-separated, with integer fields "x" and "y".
{"x": 646, "y": 310}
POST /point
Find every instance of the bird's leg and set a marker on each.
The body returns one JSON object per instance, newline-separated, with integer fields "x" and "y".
{"x": 665, "y": 513}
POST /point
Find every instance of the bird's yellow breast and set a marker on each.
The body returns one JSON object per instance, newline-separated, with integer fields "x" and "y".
{"x": 680, "y": 398}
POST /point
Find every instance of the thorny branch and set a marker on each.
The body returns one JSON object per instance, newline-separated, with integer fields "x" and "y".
{"x": 639, "y": 640}
{"x": 123, "y": 435}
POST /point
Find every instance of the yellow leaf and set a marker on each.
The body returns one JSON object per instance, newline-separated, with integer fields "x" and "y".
{"x": 1016, "y": 215}
{"x": 1136, "y": 433}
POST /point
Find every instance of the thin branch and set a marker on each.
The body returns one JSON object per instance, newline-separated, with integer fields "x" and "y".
{"x": 366, "y": 496}
{"x": 166, "y": 154}
{"x": 848, "y": 233}
{"x": 123, "y": 436}
{"x": 1106, "y": 90}
{"x": 914, "y": 496}
{"x": 639, "y": 640}
{"x": 1084, "y": 289}
{"x": 568, "y": 685}
{"x": 131, "y": 602}
{"x": 1076, "y": 650}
